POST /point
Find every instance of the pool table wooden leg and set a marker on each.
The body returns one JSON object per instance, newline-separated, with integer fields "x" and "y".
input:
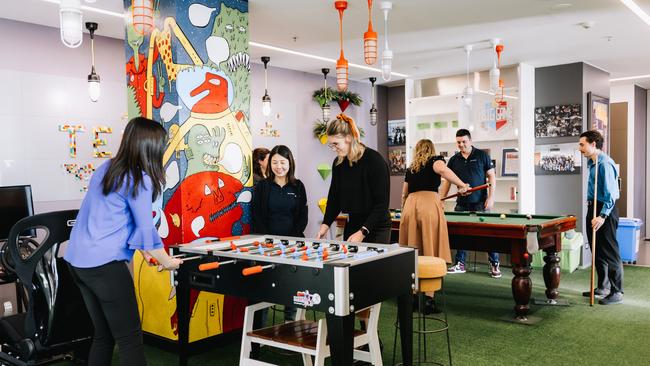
{"x": 521, "y": 289}
{"x": 552, "y": 274}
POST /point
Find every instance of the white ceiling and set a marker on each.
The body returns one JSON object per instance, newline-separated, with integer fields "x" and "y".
{"x": 426, "y": 36}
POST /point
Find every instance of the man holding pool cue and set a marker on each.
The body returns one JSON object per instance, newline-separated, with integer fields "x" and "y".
{"x": 602, "y": 220}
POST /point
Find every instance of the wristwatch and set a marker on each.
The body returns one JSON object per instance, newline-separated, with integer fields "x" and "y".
{"x": 365, "y": 231}
{"x": 603, "y": 216}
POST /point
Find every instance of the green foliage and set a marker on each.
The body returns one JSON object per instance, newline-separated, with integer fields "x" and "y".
{"x": 351, "y": 97}
{"x": 320, "y": 128}
{"x": 323, "y": 97}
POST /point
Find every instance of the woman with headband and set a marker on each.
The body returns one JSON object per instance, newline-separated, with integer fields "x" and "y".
{"x": 360, "y": 186}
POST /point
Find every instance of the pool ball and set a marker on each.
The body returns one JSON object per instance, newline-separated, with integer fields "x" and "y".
{"x": 529, "y": 217}
{"x": 503, "y": 216}
{"x": 481, "y": 219}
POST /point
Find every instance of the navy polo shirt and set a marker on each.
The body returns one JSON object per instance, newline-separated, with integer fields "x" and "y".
{"x": 473, "y": 171}
{"x": 282, "y": 205}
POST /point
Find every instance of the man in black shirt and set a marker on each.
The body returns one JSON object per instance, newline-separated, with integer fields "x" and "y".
{"x": 472, "y": 166}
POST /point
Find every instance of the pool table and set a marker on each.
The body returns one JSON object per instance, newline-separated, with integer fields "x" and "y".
{"x": 517, "y": 235}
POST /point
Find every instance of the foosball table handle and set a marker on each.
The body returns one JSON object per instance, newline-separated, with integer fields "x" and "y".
{"x": 255, "y": 269}
{"x": 208, "y": 266}
{"x": 252, "y": 270}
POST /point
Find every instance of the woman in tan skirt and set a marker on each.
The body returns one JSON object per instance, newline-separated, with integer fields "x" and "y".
{"x": 423, "y": 225}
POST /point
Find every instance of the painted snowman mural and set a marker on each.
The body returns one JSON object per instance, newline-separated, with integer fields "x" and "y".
{"x": 197, "y": 62}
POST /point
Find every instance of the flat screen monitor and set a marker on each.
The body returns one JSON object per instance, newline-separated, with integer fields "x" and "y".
{"x": 15, "y": 204}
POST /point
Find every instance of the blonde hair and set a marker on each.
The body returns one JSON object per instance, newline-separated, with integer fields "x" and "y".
{"x": 424, "y": 150}
{"x": 344, "y": 126}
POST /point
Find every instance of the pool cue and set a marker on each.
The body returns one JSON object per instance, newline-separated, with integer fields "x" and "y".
{"x": 481, "y": 187}
{"x": 593, "y": 237}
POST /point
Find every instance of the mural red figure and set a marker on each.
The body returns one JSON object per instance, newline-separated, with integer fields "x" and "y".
{"x": 137, "y": 80}
{"x": 206, "y": 204}
{"x": 216, "y": 100}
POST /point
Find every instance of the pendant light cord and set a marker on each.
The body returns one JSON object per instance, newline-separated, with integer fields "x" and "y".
{"x": 341, "y": 30}
{"x": 386, "y": 28}
{"x": 467, "y": 64}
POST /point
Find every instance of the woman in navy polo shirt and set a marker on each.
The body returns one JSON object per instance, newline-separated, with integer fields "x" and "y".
{"x": 280, "y": 203}
{"x": 280, "y": 200}
{"x": 114, "y": 221}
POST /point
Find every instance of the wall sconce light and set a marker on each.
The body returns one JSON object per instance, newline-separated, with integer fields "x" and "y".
{"x": 266, "y": 100}
{"x": 94, "y": 90}
{"x": 373, "y": 109}
{"x": 370, "y": 40}
{"x": 70, "y": 22}
{"x": 325, "y": 108}
{"x": 387, "y": 54}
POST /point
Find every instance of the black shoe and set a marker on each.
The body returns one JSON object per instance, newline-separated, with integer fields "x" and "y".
{"x": 612, "y": 299}
{"x": 599, "y": 293}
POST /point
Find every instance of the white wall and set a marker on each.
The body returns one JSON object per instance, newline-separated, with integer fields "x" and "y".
{"x": 290, "y": 93}
{"x": 618, "y": 94}
{"x": 44, "y": 85}
{"x": 526, "y": 139}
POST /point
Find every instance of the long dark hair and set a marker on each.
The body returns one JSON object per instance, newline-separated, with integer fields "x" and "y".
{"x": 141, "y": 150}
{"x": 285, "y": 153}
{"x": 259, "y": 154}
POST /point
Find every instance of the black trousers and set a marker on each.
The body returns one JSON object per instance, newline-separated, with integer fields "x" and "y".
{"x": 379, "y": 235}
{"x": 110, "y": 299}
{"x": 609, "y": 266}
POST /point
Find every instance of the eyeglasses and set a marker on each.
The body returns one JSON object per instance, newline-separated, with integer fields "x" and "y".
{"x": 333, "y": 145}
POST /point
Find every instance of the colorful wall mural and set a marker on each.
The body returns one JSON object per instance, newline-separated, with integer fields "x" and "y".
{"x": 188, "y": 67}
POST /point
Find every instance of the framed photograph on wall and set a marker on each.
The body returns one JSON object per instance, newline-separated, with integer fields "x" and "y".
{"x": 397, "y": 132}
{"x": 599, "y": 116}
{"x": 397, "y": 160}
{"x": 558, "y": 121}
{"x": 510, "y": 162}
{"x": 557, "y": 159}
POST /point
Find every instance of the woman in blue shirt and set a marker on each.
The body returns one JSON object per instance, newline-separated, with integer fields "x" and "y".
{"x": 114, "y": 221}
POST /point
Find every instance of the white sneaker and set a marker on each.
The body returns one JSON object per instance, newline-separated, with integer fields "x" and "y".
{"x": 459, "y": 267}
{"x": 495, "y": 272}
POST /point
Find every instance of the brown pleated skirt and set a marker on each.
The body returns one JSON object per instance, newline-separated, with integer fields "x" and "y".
{"x": 423, "y": 225}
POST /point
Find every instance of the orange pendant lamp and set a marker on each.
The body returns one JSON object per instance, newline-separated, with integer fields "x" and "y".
{"x": 370, "y": 40}
{"x": 341, "y": 63}
{"x": 499, "y": 49}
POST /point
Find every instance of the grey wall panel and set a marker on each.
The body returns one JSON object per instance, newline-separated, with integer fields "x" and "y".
{"x": 559, "y": 194}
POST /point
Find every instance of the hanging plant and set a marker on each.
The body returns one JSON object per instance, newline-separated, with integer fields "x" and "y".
{"x": 345, "y": 98}
{"x": 323, "y": 96}
{"x": 320, "y": 131}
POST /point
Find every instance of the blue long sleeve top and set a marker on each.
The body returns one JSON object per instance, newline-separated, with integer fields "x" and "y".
{"x": 110, "y": 228}
{"x": 607, "y": 182}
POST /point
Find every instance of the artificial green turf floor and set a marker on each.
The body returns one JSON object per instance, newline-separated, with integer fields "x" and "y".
{"x": 574, "y": 335}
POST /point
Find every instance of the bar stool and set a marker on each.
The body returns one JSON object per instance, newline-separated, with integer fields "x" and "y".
{"x": 431, "y": 273}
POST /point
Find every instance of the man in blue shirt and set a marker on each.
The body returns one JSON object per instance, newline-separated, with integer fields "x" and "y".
{"x": 608, "y": 257}
{"x": 473, "y": 166}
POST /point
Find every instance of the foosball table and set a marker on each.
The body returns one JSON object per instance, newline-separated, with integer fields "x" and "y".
{"x": 328, "y": 276}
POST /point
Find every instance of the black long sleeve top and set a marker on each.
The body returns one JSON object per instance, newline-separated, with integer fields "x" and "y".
{"x": 361, "y": 190}
{"x": 262, "y": 212}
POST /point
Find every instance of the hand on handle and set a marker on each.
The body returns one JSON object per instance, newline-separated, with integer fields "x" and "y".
{"x": 322, "y": 231}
